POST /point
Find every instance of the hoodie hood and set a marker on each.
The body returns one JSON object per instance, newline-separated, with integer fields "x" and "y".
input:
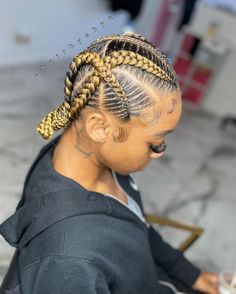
{"x": 49, "y": 197}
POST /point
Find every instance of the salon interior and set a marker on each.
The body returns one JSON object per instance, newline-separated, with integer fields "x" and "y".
{"x": 189, "y": 194}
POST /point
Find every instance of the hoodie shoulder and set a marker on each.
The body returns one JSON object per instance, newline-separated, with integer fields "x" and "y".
{"x": 49, "y": 242}
{"x": 79, "y": 236}
{"x": 96, "y": 237}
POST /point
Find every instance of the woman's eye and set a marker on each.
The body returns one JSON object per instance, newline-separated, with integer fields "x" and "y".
{"x": 158, "y": 148}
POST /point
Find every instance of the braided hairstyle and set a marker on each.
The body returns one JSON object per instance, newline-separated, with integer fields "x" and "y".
{"x": 118, "y": 66}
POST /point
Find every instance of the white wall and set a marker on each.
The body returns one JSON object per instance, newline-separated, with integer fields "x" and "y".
{"x": 220, "y": 97}
{"x": 205, "y": 15}
{"x": 146, "y": 20}
{"x": 51, "y": 26}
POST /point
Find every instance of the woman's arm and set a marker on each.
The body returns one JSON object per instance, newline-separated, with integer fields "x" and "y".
{"x": 172, "y": 260}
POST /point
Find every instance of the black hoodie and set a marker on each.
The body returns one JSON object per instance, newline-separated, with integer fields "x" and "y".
{"x": 72, "y": 240}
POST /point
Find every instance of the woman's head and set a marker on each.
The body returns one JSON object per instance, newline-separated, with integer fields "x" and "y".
{"x": 119, "y": 93}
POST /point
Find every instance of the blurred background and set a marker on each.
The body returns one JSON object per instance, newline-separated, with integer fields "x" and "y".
{"x": 195, "y": 182}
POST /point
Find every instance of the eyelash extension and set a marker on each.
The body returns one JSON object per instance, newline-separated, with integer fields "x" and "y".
{"x": 158, "y": 148}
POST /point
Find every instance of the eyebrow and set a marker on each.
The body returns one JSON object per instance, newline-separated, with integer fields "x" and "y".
{"x": 163, "y": 133}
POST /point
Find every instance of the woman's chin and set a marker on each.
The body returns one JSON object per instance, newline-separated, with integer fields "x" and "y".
{"x": 129, "y": 171}
{"x": 139, "y": 168}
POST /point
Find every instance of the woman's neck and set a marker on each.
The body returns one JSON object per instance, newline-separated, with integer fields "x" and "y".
{"x": 69, "y": 159}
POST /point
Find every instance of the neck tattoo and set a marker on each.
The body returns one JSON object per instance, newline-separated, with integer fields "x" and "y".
{"x": 84, "y": 153}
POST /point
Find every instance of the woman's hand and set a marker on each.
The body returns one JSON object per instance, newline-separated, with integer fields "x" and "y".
{"x": 207, "y": 283}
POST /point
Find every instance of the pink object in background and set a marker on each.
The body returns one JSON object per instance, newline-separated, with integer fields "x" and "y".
{"x": 161, "y": 22}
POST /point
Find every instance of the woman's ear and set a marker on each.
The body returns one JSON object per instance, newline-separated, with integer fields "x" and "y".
{"x": 96, "y": 126}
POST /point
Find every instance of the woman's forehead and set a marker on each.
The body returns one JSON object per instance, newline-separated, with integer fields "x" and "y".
{"x": 161, "y": 118}
{"x": 171, "y": 101}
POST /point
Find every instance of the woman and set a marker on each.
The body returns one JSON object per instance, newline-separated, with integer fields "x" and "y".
{"x": 80, "y": 225}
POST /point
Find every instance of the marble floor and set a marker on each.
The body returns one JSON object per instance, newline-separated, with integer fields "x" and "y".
{"x": 194, "y": 182}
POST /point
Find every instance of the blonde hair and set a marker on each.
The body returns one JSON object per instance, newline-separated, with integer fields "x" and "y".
{"x": 105, "y": 63}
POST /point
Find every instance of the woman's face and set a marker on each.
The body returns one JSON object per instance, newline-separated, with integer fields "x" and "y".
{"x": 135, "y": 153}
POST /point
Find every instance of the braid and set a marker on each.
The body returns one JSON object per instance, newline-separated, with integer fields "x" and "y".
{"x": 89, "y": 87}
{"x": 134, "y": 42}
{"x": 54, "y": 120}
{"x": 62, "y": 115}
{"x": 85, "y": 94}
{"x": 130, "y": 50}
{"x": 135, "y": 59}
{"x": 139, "y": 37}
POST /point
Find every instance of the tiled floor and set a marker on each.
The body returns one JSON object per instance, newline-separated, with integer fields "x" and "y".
{"x": 194, "y": 182}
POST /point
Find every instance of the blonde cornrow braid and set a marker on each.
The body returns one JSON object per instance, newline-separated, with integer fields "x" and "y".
{"x": 86, "y": 92}
{"x": 65, "y": 113}
{"x": 102, "y": 70}
{"x": 129, "y": 57}
{"x": 134, "y": 38}
{"x": 85, "y": 57}
{"x": 54, "y": 120}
